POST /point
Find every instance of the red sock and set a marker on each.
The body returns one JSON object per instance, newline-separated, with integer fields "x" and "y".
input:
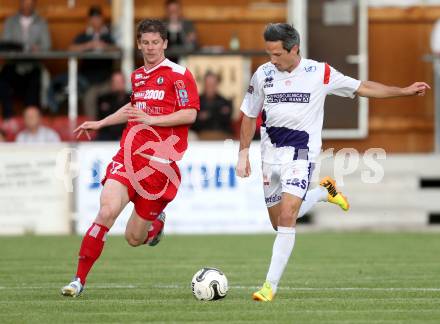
{"x": 91, "y": 248}
{"x": 157, "y": 226}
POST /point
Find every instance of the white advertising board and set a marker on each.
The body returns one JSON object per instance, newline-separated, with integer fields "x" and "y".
{"x": 33, "y": 197}
{"x": 211, "y": 199}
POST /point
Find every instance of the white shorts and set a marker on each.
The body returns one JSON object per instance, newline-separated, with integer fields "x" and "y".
{"x": 293, "y": 178}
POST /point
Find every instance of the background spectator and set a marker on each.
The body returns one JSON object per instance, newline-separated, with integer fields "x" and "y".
{"x": 214, "y": 119}
{"x": 181, "y": 32}
{"x": 93, "y": 75}
{"x": 34, "y": 132}
{"x": 23, "y": 77}
{"x": 110, "y": 102}
{"x": 96, "y": 37}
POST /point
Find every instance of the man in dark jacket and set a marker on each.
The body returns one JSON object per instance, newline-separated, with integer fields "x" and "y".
{"x": 30, "y": 32}
{"x": 108, "y": 103}
{"x": 214, "y": 119}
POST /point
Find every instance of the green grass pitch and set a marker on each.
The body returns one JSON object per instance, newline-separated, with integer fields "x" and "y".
{"x": 331, "y": 278}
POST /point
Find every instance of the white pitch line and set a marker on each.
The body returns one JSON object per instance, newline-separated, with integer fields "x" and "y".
{"x": 54, "y": 287}
{"x": 318, "y": 289}
{"x": 386, "y": 289}
{"x": 361, "y": 289}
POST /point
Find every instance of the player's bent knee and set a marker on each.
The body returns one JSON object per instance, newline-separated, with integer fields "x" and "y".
{"x": 133, "y": 241}
{"x": 287, "y": 219}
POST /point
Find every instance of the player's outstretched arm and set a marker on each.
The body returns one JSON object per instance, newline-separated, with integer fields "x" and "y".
{"x": 247, "y": 132}
{"x": 372, "y": 89}
{"x": 185, "y": 116}
{"x": 118, "y": 117}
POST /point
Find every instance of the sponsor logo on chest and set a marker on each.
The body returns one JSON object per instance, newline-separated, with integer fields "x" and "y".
{"x": 140, "y": 83}
{"x": 155, "y": 110}
{"x": 140, "y": 76}
{"x": 293, "y": 97}
{"x": 142, "y": 105}
{"x": 151, "y": 110}
{"x": 150, "y": 94}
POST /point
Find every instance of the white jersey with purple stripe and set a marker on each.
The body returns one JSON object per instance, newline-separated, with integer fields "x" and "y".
{"x": 292, "y": 105}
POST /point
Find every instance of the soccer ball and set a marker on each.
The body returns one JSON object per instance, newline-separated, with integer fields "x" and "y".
{"x": 209, "y": 284}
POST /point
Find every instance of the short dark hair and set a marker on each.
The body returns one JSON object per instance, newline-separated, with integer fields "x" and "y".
{"x": 95, "y": 11}
{"x": 210, "y": 73}
{"x": 282, "y": 32}
{"x": 170, "y": 2}
{"x": 151, "y": 26}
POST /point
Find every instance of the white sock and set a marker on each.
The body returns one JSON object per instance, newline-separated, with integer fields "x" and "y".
{"x": 282, "y": 248}
{"x": 313, "y": 196}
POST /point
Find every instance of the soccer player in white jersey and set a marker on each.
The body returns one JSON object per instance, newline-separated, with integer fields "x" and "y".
{"x": 290, "y": 92}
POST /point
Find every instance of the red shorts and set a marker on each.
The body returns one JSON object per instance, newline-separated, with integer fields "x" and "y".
{"x": 151, "y": 185}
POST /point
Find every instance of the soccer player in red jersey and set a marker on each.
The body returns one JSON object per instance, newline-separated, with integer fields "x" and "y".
{"x": 164, "y": 103}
